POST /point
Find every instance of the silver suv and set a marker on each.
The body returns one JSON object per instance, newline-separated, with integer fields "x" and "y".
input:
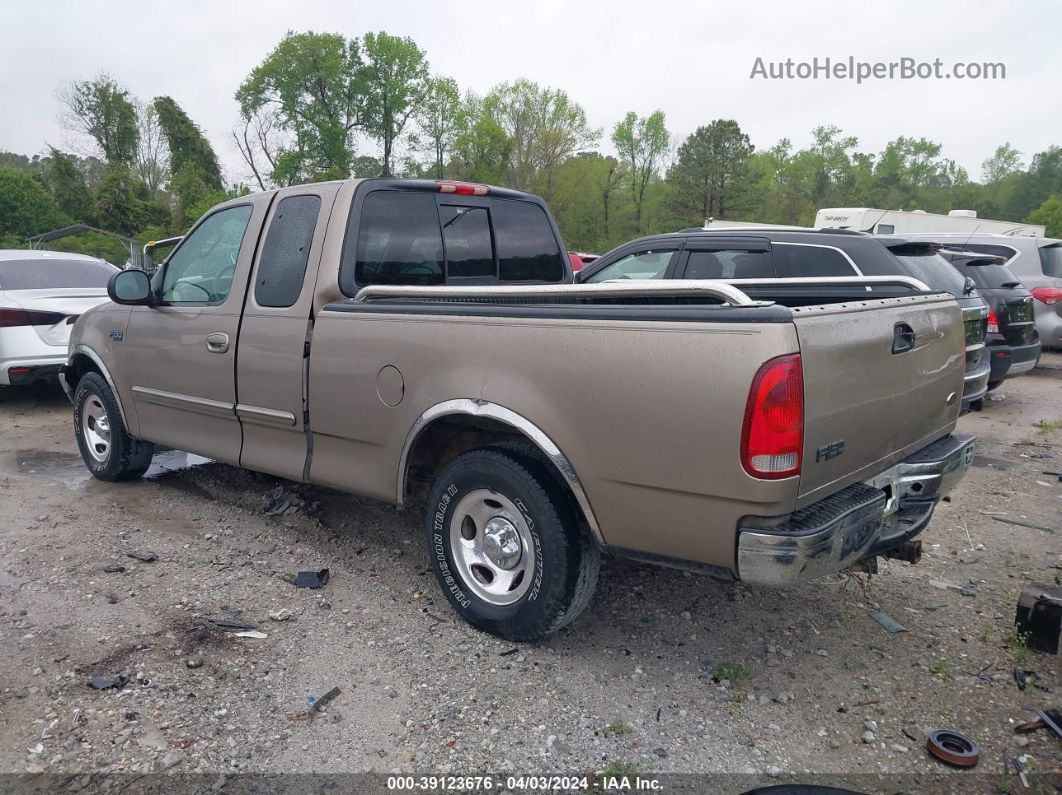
{"x": 1037, "y": 261}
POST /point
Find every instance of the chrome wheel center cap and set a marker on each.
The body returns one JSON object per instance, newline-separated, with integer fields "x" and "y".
{"x": 501, "y": 543}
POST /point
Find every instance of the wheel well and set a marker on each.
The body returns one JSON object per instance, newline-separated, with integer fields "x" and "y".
{"x": 80, "y": 364}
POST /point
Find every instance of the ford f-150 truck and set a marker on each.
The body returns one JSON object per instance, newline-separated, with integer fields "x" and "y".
{"x": 422, "y": 342}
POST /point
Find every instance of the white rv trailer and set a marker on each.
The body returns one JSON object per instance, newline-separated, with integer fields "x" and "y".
{"x": 900, "y": 222}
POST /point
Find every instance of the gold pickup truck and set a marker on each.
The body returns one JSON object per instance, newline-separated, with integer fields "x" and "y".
{"x": 422, "y": 342}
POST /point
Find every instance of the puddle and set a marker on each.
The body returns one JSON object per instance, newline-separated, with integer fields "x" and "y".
{"x": 69, "y": 469}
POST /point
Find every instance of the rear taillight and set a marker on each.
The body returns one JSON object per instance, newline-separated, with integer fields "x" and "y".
{"x": 773, "y": 434}
{"x": 27, "y": 317}
{"x": 993, "y": 322}
{"x": 1047, "y": 295}
{"x": 461, "y": 188}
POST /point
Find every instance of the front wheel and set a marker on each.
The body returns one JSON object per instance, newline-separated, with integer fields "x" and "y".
{"x": 506, "y": 547}
{"x": 109, "y": 452}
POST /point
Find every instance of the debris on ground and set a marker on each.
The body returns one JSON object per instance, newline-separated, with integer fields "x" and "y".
{"x": 143, "y": 557}
{"x": 114, "y": 568}
{"x": 1020, "y": 523}
{"x": 105, "y": 682}
{"x": 944, "y": 585}
{"x": 1050, "y": 718}
{"x": 1024, "y": 678}
{"x": 252, "y": 634}
{"x": 887, "y": 621}
{"x": 315, "y": 706}
{"x": 194, "y": 663}
{"x": 283, "y": 614}
{"x": 953, "y": 748}
{"x": 311, "y": 579}
{"x": 1039, "y": 616}
{"x": 225, "y": 623}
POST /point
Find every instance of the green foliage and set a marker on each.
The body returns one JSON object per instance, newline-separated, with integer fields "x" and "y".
{"x": 943, "y": 670}
{"x": 67, "y": 187}
{"x": 441, "y": 119}
{"x": 1050, "y": 215}
{"x": 189, "y": 148}
{"x": 116, "y": 203}
{"x": 316, "y": 84}
{"x": 104, "y": 111}
{"x": 710, "y": 177}
{"x": 1017, "y": 646}
{"x": 25, "y": 208}
{"x": 735, "y": 672}
{"x": 615, "y": 729}
{"x": 481, "y": 150}
{"x": 194, "y": 195}
{"x": 1046, "y": 426}
{"x": 396, "y": 79}
{"x": 642, "y": 144}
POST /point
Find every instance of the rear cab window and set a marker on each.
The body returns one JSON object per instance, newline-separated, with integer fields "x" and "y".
{"x": 414, "y": 237}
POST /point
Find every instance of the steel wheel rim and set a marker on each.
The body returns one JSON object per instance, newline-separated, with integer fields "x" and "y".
{"x": 96, "y": 428}
{"x": 492, "y": 547}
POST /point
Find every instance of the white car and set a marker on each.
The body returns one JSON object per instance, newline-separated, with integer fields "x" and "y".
{"x": 42, "y": 293}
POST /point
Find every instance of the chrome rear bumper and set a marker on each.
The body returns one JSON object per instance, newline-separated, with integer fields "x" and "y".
{"x": 857, "y": 522}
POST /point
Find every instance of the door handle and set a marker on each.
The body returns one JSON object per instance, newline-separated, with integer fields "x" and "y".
{"x": 217, "y": 342}
{"x": 903, "y": 338}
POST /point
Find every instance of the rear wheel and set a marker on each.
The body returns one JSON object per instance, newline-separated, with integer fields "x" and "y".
{"x": 506, "y": 547}
{"x": 109, "y": 452}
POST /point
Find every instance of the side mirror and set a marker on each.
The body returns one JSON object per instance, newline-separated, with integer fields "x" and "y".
{"x": 132, "y": 287}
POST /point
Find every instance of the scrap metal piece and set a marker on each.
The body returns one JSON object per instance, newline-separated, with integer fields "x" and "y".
{"x": 953, "y": 748}
{"x": 887, "y": 621}
{"x": 107, "y": 682}
{"x": 311, "y": 579}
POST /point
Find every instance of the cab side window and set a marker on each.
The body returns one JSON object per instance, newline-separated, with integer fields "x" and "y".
{"x": 200, "y": 270}
{"x": 729, "y": 263}
{"x": 285, "y": 251}
{"x": 647, "y": 264}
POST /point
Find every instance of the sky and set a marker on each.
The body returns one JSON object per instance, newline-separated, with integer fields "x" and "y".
{"x": 692, "y": 60}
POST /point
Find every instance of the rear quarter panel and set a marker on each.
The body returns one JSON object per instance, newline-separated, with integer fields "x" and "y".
{"x": 649, "y": 413}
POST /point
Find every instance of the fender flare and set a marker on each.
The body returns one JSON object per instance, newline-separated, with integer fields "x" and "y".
{"x": 483, "y": 408}
{"x": 85, "y": 350}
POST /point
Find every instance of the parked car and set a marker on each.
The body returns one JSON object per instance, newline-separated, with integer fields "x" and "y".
{"x": 421, "y": 342}
{"x": 1036, "y": 261}
{"x": 42, "y": 293}
{"x": 579, "y": 259}
{"x": 794, "y": 254}
{"x": 1012, "y": 342}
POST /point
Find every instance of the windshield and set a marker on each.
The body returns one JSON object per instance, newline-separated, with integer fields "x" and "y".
{"x": 46, "y": 273}
{"x": 1051, "y": 260}
{"x": 935, "y": 271}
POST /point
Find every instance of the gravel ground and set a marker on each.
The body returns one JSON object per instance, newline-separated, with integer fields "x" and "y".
{"x": 665, "y": 673}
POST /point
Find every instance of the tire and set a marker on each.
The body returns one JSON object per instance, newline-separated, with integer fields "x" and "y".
{"x": 993, "y": 385}
{"x": 506, "y": 545}
{"x": 107, "y": 449}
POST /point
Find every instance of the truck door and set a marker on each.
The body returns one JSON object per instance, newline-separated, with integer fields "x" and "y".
{"x": 180, "y": 354}
{"x": 272, "y": 354}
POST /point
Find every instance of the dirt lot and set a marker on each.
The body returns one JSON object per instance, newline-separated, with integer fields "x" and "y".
{"x": 812, "y": 685}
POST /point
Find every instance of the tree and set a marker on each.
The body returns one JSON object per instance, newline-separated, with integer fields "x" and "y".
{"x": 481, "y": 150}
{"x": 706, "y": 179}
{"x": 259, "y": 144}
{"x": 396, "y": 79}
{"x": 104, "y": 111}
{"x": 544, "y": 127}
{"x": 66, "y": 185}
{"x": 642, "y": 143}
{"x": 116, "y": 206}
{"x": 189, "y": 148}
{"x": 25, "y": 208}
{"x": 441, "y": 120}
{"x": 151, "y": 161}
{"x": 1004, "y": 162}
{"x": 316, "y": 84}
{"x": 1050, "y": 215}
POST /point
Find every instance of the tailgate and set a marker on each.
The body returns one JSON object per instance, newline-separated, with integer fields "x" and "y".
{"x": 866, "y": 405}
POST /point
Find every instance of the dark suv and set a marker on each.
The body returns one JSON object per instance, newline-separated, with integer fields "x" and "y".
{"x": 1012, "y": 340}
{"x": 769, "y": 253}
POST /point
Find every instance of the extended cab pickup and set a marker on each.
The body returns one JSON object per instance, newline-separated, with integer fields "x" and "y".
{"x": 422, "y": 342}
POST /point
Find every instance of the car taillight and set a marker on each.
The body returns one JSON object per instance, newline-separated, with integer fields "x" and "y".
{"x": 461, "y": 188}
{"x": 1048, "y": 295}
{"x": 27, "y": 317}
{"x": 993, "y": 322}
{"x": 773, "y": 434}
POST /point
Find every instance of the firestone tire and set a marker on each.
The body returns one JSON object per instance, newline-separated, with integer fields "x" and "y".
{"x": 506, "y": 546}
{"x": 107, "y": 449}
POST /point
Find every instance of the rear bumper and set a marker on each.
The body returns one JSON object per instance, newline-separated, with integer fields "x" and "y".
{"x": 13, "y": 371}
{"x": 1011, "y": 360}
{"x": 975, "y": 382}
{"x": 857, "y": 522}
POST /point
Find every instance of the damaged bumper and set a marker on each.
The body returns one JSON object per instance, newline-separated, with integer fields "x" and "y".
{"x": 857, "y": 522}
